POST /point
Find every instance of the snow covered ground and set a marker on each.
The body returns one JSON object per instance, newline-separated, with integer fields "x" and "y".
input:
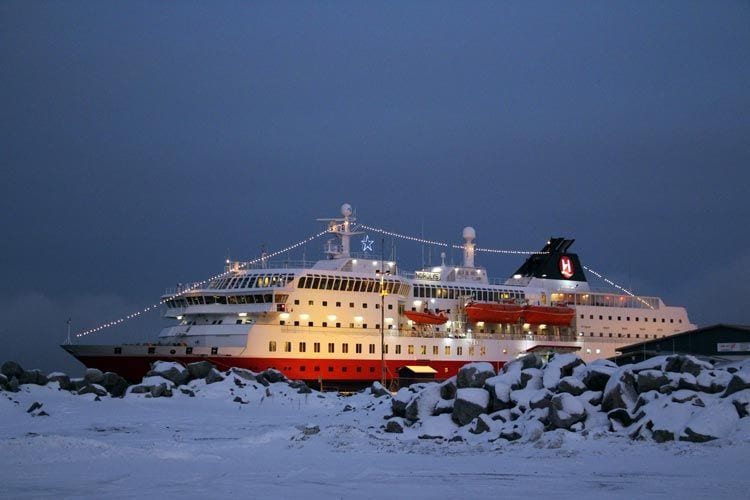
{"x": 267, "y": 447}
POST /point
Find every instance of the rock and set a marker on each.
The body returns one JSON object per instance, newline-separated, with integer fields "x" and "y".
{"x": 3, "y": 381}
{"x": 13, "y": 384}
{"x": 683, "y": 396}
{"x": 565, "y": 410}
{"x": 11, "y": 369}
{"x": 93, "y": 376}
{"x": 560, "y": 366}
{"x": 161, "y": 391}
{"x": 93, "y": 389}
{"x": 621, "y": 416}
{"x": 443, "y": 406}
{"x": 33, "y": 377}
{"x": 469, "y": 404}
{"x": 523, "y": 363}
{"x": 739, "y": 381}
{"x": 620, "y": 390}
{"x": 304, "y": 390}
{"x": 424, "y": 403}
{"x": 531, "y": 378}
{"x": 62, "y": 379}
{"x": 213, "y": 376}
{"x": 34, "y": 406}
{"x": 400, "y": 400}
{"x": 481, "y": 424}
{"x": 512, "y": 433}
{"x": 115, "y": 384}
{"x": 274, "y": 376}
{"x": 651, "y": 380}
{"x": 140, "y": 389}
{"x": 187, "y": 392}
{"x": 596, "y": 376}
{"x": 310, "y": 430}
{"x": 170, "y": 370}
{"x": 685, "y": 364}
{"x": 571, "y": 385}
{"x": 687, "y": 381}
{"x": 242, "y": 373}
{"x": 394, "y": 425}
{"x": 499, "y": 397}
{"x": 474, "y": 375}
{"x": 662, "y": 435}
{"x": 542, "y": 399}
{"x": 448, "y": 389}
{"x": 199, "y": 369}
{"x": 712, "y": 423}
{"x": 239, "y": 400}
{"x": 713, "y": 381}
{"x": 378, "y": 390}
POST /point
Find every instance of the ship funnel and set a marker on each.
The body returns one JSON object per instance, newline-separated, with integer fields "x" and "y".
{"x": 469, "y": 234}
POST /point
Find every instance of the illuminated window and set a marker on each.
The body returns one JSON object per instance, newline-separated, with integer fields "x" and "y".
{"x": 435, "y": 350}
{"x": 272, "y": 346}
{"x": 482, "y": 351}
{"x": 423, "y": 350}
{"x": 410, "y": 349}
{"x": 447, "y": 350}
{"x": 459, "y": 351}
{"x": 471, "y": 350}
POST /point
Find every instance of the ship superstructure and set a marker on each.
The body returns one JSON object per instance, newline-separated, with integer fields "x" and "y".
{"x": 343, "y": 318}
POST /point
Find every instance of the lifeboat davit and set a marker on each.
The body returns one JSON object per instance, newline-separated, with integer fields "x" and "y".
{"x": 548, "y": 315}
{"x": 426, "y": 318}
{"x": 491, "y": 312}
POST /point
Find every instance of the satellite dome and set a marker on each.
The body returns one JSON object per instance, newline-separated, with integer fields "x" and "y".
{"x": 469, "y": 233}
{"x": 346, "y": 210}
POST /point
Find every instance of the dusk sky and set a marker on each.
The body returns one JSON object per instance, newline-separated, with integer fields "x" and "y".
{"x": 143, "y": 142}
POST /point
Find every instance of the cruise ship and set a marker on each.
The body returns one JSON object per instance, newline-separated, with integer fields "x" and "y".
{"x": 354, "y": 317}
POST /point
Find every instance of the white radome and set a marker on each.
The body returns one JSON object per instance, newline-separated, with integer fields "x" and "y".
{"x": 469, "y": 233}
{"x": 346, "y": 210}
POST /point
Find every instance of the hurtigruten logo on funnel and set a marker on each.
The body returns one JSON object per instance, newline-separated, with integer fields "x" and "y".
{"x": 566, "y": 267}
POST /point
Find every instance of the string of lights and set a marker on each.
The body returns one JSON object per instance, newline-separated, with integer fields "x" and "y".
{"x": 403, "y": 236}
{"x": 198, "y": 284}
{"x": 500, "y": 251}
{"x": 624, "y": 290}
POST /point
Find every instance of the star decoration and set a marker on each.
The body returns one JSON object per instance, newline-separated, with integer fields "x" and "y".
{"x": 367, "y": 243}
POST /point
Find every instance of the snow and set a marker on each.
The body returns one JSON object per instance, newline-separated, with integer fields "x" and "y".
{"x": 478, "y": 397}
{"x": 277, "y": 443}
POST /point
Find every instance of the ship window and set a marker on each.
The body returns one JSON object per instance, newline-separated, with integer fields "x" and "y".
{"x": 377, "y": 306}
{"x": 329, "y": 285}
{"x": 410, "y": 349}
{"x": 287, "y": 347}
{"x": 637, "y": 318}
{"x": 377, "y": 326}
{"x": 302, "y": 368}
{"x": 310, "y": 302}
{"x": 601, "y": 334}
{"x": 331, "y": 348}
{"x": 679, "y": 321}
{"x": 482, "y": 350}
{"x": 471, "y": 350}
{"x": 358, "y": 348}
{"x": 188, "y": 350}
{"x": 610, "y": 335}
{"x": 343, "y": 368}
{"x": 390, "y": 306}
{"x": 316, "y": 347}
{"x": 296, "y": 302}
{"x": 372, "y": 369}
{"x": 325, "y": 303}
{"x": 325, "y": 324}
{"x": 435, "y": 350}
{"x": 214, "y": 350}
{"x": 447, "y": 350}
{"x": 152, "y": 350}
{"x": 627, "y": 318}
{"x": 372, "y": 348}
{"x": 351, "y": 304}
{"x": 671, "y": 320}
{"x": 581, "y": 316}
{"x": 364, "y": 305}
{"x": 370, "y": 285}
{"x": 398, "y": 348}
{"x": 296, "y": 323}
{"x": 637, "y": 336}
{"x": 310, "y": 323}
{"x": 302, "y": 347}
{"x": 316, "y": 368}
{"x": 338, "y": 304}
{"x": 364, "y": 325}
{"x": 619, "y": 318}
{"x": 628, "y": 335}
{"x": 323, "y": 281}
{"x": 591, "y": 334}
{"x": 610, "y": 318}
{"x": 654, "y": 320}
{"x": 330, "y": 368}
{"x": 302, "y": 282}
{"x": 359, "y": 369}
{"x": 591, "y": 316}
{"x": 662, "y": 320}
{"x": 459, "y": 351}
{"x": 345, "y": 348}
{"x": 357, "y": 284}
{"x": 338, "y": 325}
{"x": 423, "y": 349}
{"x": 118, "y": 350}
{"x": 316, "y": 281}
{"x": 385, "y": 349}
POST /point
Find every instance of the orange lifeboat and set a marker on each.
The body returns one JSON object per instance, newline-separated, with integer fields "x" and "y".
{"x": 493, "y": 312}
{"x": 426, "y": 318}
{"x": 548, "y": 315}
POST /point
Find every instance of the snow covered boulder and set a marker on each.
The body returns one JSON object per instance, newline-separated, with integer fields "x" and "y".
{"x": 531, "y": 378}
{"x": 214, "y": 376}
{"x": 424, "y": 403}
{"x": 242, "y": 373}
{"x": 499, "y": 393}
{"x": 685, "y": 364}
{"x": 651, "y": 380}
{"x": 571, "y": 385}
{"x": 483, "y": 423}
{"x": 620, "y": 390}
{"x": 273, "y": 375}
{"x": 540, "y": 400}
{"x": 559, "y": 366}
{"x": 400, "y": 400}
{"x": 448, "y": 388}
{"x": 170, "y": 370}
{"x": 523, "y": 363}
{"x": 115, "y": 384}
{"x": 739, "y": 381}
{"x": 711, "y": 423}
{"x": 93, "y": 376}
{"x": 394, "y": 425}
{"x": 474, "y": 375}
{"x": 377, "y": 390}
{"x": 11, "y": 369}
{"x": 741, "y": 402}
{"x": 469, "y": 404}
{"x": 93, "y": 389}
{"x": 565, "y": 410}
{"x": 35, "y": 377}
{"x": 62, "y": 379}
{"x": 199, "y": 369}
{"x": 713, "y": 381}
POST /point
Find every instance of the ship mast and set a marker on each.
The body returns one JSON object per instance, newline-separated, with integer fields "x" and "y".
{"x": 342, "y": 228}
